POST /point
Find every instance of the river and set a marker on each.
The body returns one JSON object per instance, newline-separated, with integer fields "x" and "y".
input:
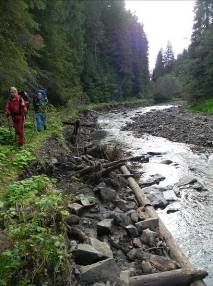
{"x": 192, "y": 224}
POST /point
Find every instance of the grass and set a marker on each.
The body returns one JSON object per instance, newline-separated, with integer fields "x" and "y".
{"x": 203, "y": 106}
{"x": 30, "y": 209}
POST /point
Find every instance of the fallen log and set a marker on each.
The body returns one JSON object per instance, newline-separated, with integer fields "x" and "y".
{"x": 141, "y": 158}
{"x": 176, "y": 252}
{"x": 113, "y": 164}
{"x": 179, "y": 277}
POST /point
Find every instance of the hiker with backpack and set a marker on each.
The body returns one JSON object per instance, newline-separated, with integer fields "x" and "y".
{"x": 40, "y": 102}
{"x": 16, "y": 108}
{"x": 25, "y": 97}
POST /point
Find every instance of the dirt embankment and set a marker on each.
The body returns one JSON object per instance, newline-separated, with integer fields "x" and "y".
{"x": 176, "y": 124}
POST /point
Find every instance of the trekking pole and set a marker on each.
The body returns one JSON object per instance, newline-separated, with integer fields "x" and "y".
{"x": 8, "y": 122}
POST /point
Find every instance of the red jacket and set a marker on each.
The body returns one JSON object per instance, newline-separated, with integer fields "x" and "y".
{"x": 16, "y": 106}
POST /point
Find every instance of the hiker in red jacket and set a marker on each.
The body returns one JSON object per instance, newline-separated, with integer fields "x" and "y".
{"x": 16, "y": 108}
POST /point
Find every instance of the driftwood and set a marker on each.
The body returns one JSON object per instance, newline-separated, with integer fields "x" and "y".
{"x": 114, "y": 165}
{"x": 179, "y": 277}
{"x": 92, "y": 178}
{"x": 176, "y": 252}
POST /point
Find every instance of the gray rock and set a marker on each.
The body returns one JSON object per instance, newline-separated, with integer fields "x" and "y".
{"x": 122, "y": 205}
{"x": 75, "y": 208}
{"x": 106, "y": 270}
{"x": 146, "y": 267}
{"x": 131, "y": 231}
{"x": 186, "y": 181}
{"x": 132, "y": 254}
{"x": 155, "y": 179}
{"x": 121, "y": 219}
{"x": 150, "y": 223}
{"x": 148, "y": 237}
{"x": 173, "y": 208}
{"x": 101, "y": 247}
{"x": 106, "y": 194}
{"x": 134, "y": 217}
{"x": 137, "y": 242}
{"x": 166, "y": 162}
{"x": 170, "y": 195}
{"x": 85, "y": 254}
{"x": 155, "y": 196}
{"x": 124, "y": 276}
{"x": 72, "y": 219}
{"x": 104, "y": 227}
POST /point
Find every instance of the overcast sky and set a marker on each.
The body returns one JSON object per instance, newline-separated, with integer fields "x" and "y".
{"x": 164, "y": 21}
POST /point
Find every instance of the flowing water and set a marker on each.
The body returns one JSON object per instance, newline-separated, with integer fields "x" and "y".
{"x": 192, "y": 224}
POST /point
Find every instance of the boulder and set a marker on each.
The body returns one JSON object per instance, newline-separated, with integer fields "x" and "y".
{"x": 101, "y": 247}
{"x": 86, "y": 254}
{"x": 156, "y": 197}
{"x": 106, "y": 270}
{"x": 155, "y": 179}
{"x": 104, "y": 227}
{"x": 150, "y": 223}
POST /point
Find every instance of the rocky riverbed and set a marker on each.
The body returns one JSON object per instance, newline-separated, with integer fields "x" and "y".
{"x": 109, "y": 236}
{"x": 176, "y": 124}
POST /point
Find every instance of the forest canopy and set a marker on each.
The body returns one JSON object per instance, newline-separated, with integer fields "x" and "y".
{"x": 95, "y": 49}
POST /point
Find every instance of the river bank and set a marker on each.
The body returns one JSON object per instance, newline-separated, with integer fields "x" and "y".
{"x": 176, "y": 124}
{"x": 103, "y": 222}
{"x": 187, "y": 171}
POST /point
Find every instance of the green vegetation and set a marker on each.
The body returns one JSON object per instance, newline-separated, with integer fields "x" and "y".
{"x": 32, "y": 223}
{"x": 203, "y": 106}
{"x": 31, "y": 212}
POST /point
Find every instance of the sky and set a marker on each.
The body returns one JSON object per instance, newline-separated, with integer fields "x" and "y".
{"x": 164, "y": 20}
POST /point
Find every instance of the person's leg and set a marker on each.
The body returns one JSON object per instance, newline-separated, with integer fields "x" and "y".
{"x": 38, "y": 121}
{"x": 44, "y": 120}
{"x": 19, "y": 126}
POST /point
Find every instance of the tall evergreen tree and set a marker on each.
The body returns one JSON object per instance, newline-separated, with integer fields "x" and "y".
{"x": 17, "y": 28}
{"x": 159, "y": 66}
{"x": 168, "y": 58}
{"x": 203, "y": 19}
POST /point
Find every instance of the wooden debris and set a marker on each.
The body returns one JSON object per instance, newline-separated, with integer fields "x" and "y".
{"x": 179, "y": 277}
{"x": 175, "y": 251}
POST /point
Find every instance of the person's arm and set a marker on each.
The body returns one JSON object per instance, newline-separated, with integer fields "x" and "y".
{"x": 8, "y": 108}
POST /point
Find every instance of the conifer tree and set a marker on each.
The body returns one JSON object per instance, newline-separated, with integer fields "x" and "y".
{"x": 159, "y": 66}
